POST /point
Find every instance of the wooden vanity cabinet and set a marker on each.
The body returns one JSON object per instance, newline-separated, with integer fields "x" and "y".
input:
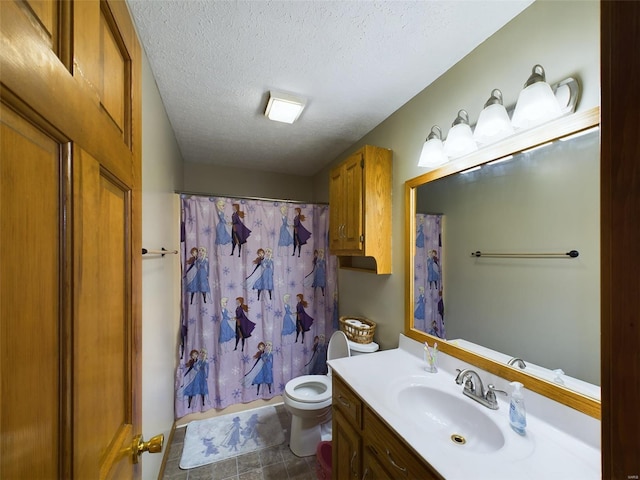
{"x": 360, "y": 205}
{"x": 364, "y": 447}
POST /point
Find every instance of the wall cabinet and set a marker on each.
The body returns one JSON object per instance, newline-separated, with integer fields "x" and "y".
{"x": 360, "y": 203}
{"x": 364, "y": 447}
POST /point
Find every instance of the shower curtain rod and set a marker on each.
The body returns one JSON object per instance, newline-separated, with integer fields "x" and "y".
{"x": 243, "y": 197}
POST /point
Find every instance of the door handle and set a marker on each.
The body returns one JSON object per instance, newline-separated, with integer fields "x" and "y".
{"x": 139, "y": 446}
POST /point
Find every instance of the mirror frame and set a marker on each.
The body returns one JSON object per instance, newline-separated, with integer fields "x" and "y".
{"x": 551, "y": 131}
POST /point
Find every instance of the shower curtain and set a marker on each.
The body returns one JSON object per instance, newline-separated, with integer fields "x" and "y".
{"x": 259, "y": 299}
{"x": 429, "y": 305}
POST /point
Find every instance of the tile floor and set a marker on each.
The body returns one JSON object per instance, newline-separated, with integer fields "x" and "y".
{"x": 273, "y": 463}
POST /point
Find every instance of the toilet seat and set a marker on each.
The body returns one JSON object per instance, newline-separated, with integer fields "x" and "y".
{"x": 309, "y": 388}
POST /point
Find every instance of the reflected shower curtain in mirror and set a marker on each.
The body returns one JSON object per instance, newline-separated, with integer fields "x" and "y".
{"x": 429, "y": 305}
{"x": 259, "y": 299}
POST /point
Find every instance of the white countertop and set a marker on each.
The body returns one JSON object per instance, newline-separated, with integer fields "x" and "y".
{"x": 560, "y": 442}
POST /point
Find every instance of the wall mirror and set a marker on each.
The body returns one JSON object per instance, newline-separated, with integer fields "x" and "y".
{"x": 497, "y": 275}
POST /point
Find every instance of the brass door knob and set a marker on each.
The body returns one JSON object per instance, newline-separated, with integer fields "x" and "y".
{"x": 152, "y": 446}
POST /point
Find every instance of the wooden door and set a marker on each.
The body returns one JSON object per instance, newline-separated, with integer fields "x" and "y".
{"x": 70, "y": 240}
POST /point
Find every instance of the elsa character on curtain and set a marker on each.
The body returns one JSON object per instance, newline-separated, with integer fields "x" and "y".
{"x": 223, "y": 237}
{"x": 288, "y": 324}
{"x": 262, "y": 371}
{"x": 244, "y": 326}
{"x": 285, "y": 239}
{"x": 420, "y": 233}
{"x": 419, "y": 312}
{"x": 196, "y": 376}
{"x": 239, "y": 232}
{"x": 227, "y": 324}
{"x": 200, "y": 281}
{"x": 303, "y": 320}
{"x": 300, "y": 234}
{"x": 318, "y": 363}
{"x": 433, "y": 270}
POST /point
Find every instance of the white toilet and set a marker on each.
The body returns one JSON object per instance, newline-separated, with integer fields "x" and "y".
{"x": 308, "y": 398}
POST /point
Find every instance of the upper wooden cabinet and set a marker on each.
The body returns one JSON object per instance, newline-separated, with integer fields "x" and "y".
{"x": 360, "y": 202}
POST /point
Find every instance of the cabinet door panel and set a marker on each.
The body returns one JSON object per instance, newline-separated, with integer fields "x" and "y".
{"x": 347, "y": 449}
{"x": 353, "y": 203}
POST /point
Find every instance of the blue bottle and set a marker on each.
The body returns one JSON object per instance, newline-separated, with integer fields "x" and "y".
{"x": 517, "y": 411}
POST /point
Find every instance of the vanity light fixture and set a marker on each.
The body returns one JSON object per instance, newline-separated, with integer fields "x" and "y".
{"x": 460, "y": 140}
{"x": 432, "y": 154}
{"x": 493, "y": 123}
{"x": 536, "y": 103}
{"x": 283, "y": 107}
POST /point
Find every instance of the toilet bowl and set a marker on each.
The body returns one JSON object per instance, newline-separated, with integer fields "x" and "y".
{"x": 308, "y": 399}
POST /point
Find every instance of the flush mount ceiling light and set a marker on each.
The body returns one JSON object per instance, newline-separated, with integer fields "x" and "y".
{"x": 283, "y": 107}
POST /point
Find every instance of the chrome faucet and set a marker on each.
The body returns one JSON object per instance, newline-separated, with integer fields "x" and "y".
{"x": 474, "y": 389}
{"x": 519, "y": 361}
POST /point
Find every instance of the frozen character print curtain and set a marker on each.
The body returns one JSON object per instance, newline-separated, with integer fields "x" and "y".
{"x": 259, "y": 299}
{"x": 428, "y": 311}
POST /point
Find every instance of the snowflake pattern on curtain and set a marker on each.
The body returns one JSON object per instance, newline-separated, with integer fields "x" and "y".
{"x": 429, "y": 306}
{"x": 259, "y": 299}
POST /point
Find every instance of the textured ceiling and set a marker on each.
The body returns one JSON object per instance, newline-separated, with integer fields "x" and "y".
{"x": 356, "y": 62}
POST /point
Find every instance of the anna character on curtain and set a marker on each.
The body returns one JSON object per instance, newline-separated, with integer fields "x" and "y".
{"x": 200, "y": 281}
{"x": 190, "y": 273}
{"x": 239, "y": 231}
{"x": 196, "y": 376}
{"x": 244, "y": 326}
{"x": 265, "y": 281}
{"x": 300, "y": 234}
{"x": 303, "y": 320}
{"x": 262, "y": 371}
{"x": 318, "y": 363}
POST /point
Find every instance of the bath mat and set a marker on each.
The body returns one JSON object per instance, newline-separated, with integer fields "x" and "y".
{"x": 214, "y": 439}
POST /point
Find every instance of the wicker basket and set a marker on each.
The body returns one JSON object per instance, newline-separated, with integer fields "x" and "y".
{"x": 358, "y": 333}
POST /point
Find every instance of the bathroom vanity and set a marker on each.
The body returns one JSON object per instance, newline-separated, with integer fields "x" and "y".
{"x": 364, "y": 446}
{"x": 392, "y": 419}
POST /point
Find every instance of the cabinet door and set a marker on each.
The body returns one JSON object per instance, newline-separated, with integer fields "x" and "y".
{"x": 372, "y": 469}
{"x": 352, "y": 197}
{"x": 346, "y": 201}
{"x": 347, "y": 449}
{"x": 337, "y": 208}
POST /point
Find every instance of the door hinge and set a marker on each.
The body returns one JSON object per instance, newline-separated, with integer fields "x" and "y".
{"x": 362, "y": 163}
{"x": 361, "y": 238}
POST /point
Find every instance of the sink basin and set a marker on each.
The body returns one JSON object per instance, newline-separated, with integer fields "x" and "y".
{"x": 449, "y": 418}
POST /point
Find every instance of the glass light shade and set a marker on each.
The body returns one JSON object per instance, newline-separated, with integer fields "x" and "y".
{"x": 459, "y": 141}
{"x": 493, "y": 125}
{"x": 536, "y": 103}
{"x": 432, "y": 154}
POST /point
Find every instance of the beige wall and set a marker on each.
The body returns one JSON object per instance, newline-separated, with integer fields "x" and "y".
{"x": 162, "y": 175}
{"x": 561, "y": 36}
{"x": 209, "y": 179}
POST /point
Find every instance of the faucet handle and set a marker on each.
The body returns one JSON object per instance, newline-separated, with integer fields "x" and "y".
{"x": 491, "y": 396}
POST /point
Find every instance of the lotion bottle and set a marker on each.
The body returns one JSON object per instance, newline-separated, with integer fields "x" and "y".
{"x": 517, "y": 412}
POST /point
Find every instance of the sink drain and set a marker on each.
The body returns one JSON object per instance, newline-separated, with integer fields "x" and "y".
{"x": 458, "y": 439}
